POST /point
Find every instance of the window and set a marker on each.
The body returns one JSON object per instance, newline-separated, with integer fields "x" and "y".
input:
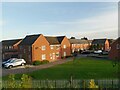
{"x": 43, "y": 56}
{"x": 10, "y": 47}
{"x": 64, "y": 46}
{"x": 57, "y": 47}
{"x": 43, "y": 47}
{"x": 50, "y": 56}
{"x": 57, "y": 54}
{"x": 51, "y": 47}
{"x": 64, "y": 54}
{"x": 117, "y": 46}
{"x": 6, "y": 47}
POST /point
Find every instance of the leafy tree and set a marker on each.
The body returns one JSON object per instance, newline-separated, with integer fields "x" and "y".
{"x": 72, "y": 38}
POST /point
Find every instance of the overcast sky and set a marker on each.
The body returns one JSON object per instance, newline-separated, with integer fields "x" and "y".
{"x": 79, "y": 19}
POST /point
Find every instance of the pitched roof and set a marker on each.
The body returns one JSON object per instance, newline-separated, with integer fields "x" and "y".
{"x": 60, "y": 38}
{"x": 54, "y": 40}
{"x": 10, "y": 42}
{"x": 99, "y": 41}
{"x": 29, "y": 39}
{"x": 78, "y": 41}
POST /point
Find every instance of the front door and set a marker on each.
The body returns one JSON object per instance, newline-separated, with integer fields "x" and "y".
{"x": 53, "y": 56}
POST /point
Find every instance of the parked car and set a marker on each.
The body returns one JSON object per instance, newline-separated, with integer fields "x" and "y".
{"x": 6, "y": 61}
{"x": 105, "y": 52}
{"x": 98, "y": 52}
{"x": 85, "y": 52}
{"x": 14, "y": 62}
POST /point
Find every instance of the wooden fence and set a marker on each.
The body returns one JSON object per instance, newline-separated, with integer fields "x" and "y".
{"x": 69, "y": 83}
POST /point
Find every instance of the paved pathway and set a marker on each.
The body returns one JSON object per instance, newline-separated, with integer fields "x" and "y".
{"x": 33, "y": 68}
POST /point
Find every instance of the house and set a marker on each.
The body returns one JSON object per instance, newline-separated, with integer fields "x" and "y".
{"x": 34, "y": 47}
{"x": 102, "y": 44}
{"x": 114, "y": 52}
{"x": 10, "y": 48}
{"x": 59, "y": 47}
{"x": 78, "y": 44}
{"x": 39, "y": 47}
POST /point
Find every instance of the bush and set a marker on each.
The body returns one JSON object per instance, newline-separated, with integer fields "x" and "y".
{"x": 44, "y": 62}
{"x": 36, "y": 62}
{"x": 40, "y": 62}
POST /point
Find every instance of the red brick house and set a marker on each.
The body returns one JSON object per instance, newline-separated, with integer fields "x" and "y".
{"x": 10, "y": 48}
{"x": 34, "y": 47}
{"x": 78, "y": 44}
{"x": 114, "y": 52}
{"x": 38, "y": 47}
{"x": 59, "y": 47}
{"x": 102, "y": 44}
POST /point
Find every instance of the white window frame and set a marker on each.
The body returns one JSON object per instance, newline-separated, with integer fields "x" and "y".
{"x": 44, "y": 47}
{"x": 43, "y": 56}
{"x": 10, "y": 47}
{"x": 64, "y": 46}
{"x": 64, "y": 54}
{"x": 51, "y": 47}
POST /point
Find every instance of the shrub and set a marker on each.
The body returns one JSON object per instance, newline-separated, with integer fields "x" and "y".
{"x": 37, "y": 62}
{"x": 44, "y": 62}
{"x": 26, "y": 81}
{"x": 40, "y": 62}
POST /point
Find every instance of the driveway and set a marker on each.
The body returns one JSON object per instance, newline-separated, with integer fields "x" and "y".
{"x": 30, "y": 68}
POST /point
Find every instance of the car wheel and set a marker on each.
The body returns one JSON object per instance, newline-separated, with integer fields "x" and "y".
{"x": 22, "y": 64}
{"x": 10, "y": 66}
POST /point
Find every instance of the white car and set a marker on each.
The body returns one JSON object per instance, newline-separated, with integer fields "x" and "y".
{"x": 98, "y": 52}
{"x": 14, "y": 62}
{"x": 8, "y": 61}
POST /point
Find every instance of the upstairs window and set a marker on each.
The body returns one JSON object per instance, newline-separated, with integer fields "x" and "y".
{"x": 51, "y": 47}
{"x": 64, "y": 46}
{"x": 10, "y": 47}
{"x": 6, "y": 47}
{"x": 43, "y": 47}
{"x": 57, "y": 47}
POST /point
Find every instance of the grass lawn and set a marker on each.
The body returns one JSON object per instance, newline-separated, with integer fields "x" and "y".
{"x": 83, "y": 68}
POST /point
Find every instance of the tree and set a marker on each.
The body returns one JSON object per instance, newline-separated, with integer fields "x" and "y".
{"x": 72, "y": 38}
{"x": 85, "y": 38}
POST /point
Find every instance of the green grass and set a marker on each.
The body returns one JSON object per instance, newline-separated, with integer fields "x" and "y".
{"x": 83, "y": 68}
